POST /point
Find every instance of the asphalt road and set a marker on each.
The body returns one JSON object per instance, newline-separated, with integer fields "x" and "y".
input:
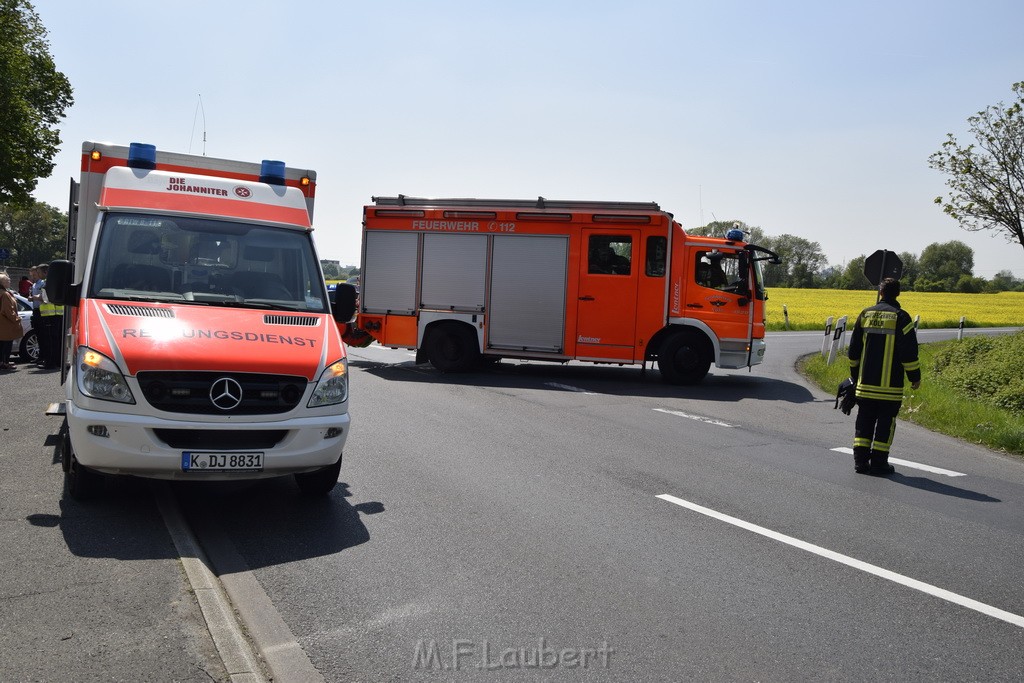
{"x": 547, "y": 522}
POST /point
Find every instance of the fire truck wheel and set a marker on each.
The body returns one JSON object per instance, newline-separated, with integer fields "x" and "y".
{"x": 684, "y": 358}
{"x": 453, "y": 348}
{"x": 319, "y": 482}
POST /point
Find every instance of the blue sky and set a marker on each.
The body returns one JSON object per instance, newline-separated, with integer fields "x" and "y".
{"x": 809, "y": 118}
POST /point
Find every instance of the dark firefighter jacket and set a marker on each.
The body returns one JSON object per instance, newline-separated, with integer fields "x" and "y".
{"x": 883, "y": 347}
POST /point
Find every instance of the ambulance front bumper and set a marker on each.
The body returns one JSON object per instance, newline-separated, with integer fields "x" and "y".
{"x": 147, "y": 446}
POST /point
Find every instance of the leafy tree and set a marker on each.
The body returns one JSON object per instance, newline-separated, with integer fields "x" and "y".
{"x": 801, "y": 261}
{"x": 331, "y": 270}
{"x": 911, "y": 269}
{"x": 1004, "y": 281}
{"x": 33, "y": 97}
{"x": 986, "y": 178}
{"x": 853, "y": 276}
{"x": 942, "y": 264}
{"x": 754, "y": 235}
{"x": 35, "y": 233}
{"x": 353, "y": 272}
{"x": 831, "y": 277}
{"x": 968, "y": 284}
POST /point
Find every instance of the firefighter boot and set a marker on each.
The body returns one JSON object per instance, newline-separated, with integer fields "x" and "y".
{"x": 861, "y": 460}
{"x": 880, "y": 466}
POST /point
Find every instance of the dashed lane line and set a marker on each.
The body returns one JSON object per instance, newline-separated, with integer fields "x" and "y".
{"x": 569, "y": 387}
{"x": 698, "y": 418}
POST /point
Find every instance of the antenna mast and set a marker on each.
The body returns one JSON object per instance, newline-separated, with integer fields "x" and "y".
{"x": 199, "y": 109}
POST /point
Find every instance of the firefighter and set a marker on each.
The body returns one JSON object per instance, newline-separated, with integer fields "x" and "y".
{"x": 883, "y": 348}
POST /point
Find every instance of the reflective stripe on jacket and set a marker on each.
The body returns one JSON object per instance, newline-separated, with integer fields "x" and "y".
{"x": 883, "y": 348}
{"x": 49, "y": 309}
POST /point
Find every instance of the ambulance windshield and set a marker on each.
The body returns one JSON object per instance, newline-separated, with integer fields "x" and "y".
{"x": 163, "y": 258}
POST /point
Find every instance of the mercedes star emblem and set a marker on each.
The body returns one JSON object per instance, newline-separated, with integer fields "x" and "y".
{"x": 226, "y": 393}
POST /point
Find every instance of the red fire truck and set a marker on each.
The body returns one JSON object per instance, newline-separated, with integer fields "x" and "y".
{"x": 465, "y": 280}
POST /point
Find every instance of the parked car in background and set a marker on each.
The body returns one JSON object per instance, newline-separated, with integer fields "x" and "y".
{"x": 28, "y": 344}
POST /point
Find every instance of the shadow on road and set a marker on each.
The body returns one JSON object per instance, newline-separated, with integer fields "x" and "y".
{"x": 933, "y": 486}
{"x": 719, "y": 386}
{"x": 269, "y": 521}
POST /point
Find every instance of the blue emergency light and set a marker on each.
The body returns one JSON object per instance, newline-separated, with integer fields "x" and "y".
{"x": 141, "y": 155}
{"x": 272, "y": 172}
{"x": 735, "y": 235}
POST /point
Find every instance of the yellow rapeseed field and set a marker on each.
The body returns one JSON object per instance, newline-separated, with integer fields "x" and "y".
{"x": 808, "y": 308}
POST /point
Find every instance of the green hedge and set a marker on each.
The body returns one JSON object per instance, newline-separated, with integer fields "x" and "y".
{"x": 988, "y": 369}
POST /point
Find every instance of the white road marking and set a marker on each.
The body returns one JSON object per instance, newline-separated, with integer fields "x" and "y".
{"x": 908, "y": 463}
{"x": 568, "y": 387}
{"x": 934, "y": 591}
{"x": 698, "y": 418}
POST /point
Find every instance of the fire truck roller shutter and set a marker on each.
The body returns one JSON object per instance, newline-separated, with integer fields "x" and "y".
{"x": 528, "y": 289}
{"x": 390, "y": 272}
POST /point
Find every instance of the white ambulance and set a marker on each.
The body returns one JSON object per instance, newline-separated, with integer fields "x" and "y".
{"x": 200, "y": 343}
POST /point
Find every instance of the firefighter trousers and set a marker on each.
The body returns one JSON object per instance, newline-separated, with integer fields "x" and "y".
{"x": 875, "y": 426}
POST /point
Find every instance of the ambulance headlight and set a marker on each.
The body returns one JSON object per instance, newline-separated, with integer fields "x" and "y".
{"x": 98, "y": 377}
{"x": 332, "y": 387}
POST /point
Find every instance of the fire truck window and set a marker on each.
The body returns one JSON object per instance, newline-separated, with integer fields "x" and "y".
{"x": 718, "y": 270}
{"x": 610, "y": 254}
{"x": 657, "y": 249}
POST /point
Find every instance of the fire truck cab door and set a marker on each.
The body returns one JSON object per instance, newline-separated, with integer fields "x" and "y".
{"x": 606, "y": 310}
{"x": 721, "y": 298}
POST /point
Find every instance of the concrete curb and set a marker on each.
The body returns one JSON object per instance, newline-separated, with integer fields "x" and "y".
{"x": 228, "y": 637}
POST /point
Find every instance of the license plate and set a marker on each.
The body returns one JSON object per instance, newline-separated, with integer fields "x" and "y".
{"x": 221, "y": 462}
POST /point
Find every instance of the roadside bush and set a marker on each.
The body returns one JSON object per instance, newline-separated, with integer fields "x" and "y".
{"x": 986, "y": 369}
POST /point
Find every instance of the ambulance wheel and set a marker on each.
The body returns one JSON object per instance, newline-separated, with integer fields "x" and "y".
{"x": 684, "y": 358}
{"x": 453, "y": 348}
{"x": 319, "y": 482}
{"x": 80, "y": 482}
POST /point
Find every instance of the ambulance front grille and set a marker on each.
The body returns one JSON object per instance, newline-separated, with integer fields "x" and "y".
{"x": 195, "y": 392}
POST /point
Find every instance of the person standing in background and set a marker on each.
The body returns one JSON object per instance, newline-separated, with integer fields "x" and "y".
{"x": 10, "y": 323}
{"x": 35, "y": 296}
{"x": 52, "y": 316}
{"x": 883, "y": 348}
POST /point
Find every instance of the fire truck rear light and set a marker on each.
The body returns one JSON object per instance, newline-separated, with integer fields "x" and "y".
{"x": 609, "y": 218}
{"x": 397, "y": 213}
{"x": 141, "y": 155}
{"x": 553, "y": 217}
{"x": 96, "y": 155}
{"x": 272, "y": 172}
{"x": 304, "y": 181}
{"x": 488, "y": 215}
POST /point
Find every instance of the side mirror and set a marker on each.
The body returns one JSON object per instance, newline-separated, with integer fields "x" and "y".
{"x": 59, "y": 289}
{"x": 343, "y": 306}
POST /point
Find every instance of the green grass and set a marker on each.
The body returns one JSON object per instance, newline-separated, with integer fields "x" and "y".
{"x": 945, "y": 403}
